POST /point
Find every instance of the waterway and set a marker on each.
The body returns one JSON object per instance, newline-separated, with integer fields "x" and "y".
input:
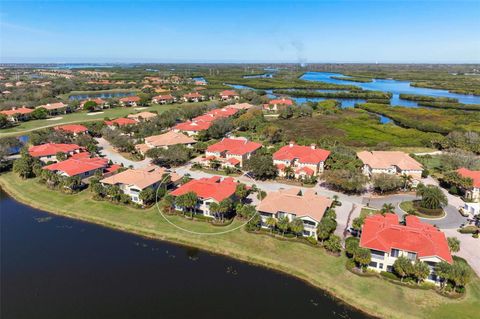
{"x": 54, "y": 267}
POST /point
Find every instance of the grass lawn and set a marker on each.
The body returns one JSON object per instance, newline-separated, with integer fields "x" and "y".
{"x": 311, "y": 264}
{"x": 79, "y": 117}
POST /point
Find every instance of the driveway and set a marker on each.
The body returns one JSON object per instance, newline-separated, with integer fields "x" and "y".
{"x": 108, "y": 151}
{"x": 452, "y": 219}
{"x": 469, "y": 248}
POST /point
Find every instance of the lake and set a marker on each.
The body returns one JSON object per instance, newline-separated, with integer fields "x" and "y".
{"x": 393, "y": 86}
{"x": 100, "y": 95}
{"x": 54, "y": 267}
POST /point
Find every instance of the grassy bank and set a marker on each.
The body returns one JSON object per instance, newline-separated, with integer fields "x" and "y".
{"x": 311, "y": 264}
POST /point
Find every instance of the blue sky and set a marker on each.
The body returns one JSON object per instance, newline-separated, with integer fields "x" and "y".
{"x": 240, "y": 31}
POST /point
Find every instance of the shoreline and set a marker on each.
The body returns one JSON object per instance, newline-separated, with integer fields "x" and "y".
{"x": 354, "y": 300}
{"x": 185, "y": 243}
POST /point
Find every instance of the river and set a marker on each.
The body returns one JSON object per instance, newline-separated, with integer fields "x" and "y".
{"x": 54, "y": 267}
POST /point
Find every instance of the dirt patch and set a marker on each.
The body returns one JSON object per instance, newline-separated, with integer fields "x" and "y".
{"x": 95, "y": 113}
{"x": 55, "y": 118}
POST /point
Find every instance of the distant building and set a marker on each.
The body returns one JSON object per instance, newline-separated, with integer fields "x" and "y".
{"x": 47, "y": 152}
{"x": 164, "y": 141}
{"x": 229, "y": 95}
{"x": 101, "y": 104}
{"x": 277, "y": 104}
{"x": 17, "y": 114}
{"x": 129, "y": 101}
{"x": 396, "y": 163}
{"x": 472, "y": 193}
{"x": 122, "y": 121}
{"x": 83, "y": 167}
{"x": 231, "y": 152}
{"x": 193, "y": 97}
{"x": 208, "y": 190}
{"x": 306, "y": 161}
{"x": 54, "y": 108}
{"x": 163, "y": 99}
{"x": 388, "y": 240}
{"x": 293, "y": 203}
{"x": 75, "y": 129}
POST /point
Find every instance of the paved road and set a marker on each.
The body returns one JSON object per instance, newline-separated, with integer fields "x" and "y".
{"x": 108, "y": 151}
{"x": 469, "y": 248}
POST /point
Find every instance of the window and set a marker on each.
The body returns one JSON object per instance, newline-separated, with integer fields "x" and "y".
{"x": 412, "y": 256}
{"x": 395, "y": 252}
{"x": 373, "y": 264}
{"x": 390, "y": 268}
{"x": 378, "y": 254}
{"x": 380, "y": 266}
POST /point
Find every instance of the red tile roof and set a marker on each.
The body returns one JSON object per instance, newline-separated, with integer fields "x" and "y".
{"x": 474, "y": 175}
{"x": 52, "y": 149}
{"x": 76, "y": 166}
{"x": 193, "y": 126}
{"x": 304, "y": 154}
{"x": 234, "y": 146}
{"x": 20, "y": 110}
{"x": 129, "y": 99}
{"x": 384, "y": 233}
{"x": 163, "y": 97}
{"x": 121, "y": 121}
{"x": 72, "y": 128}
{"x": 192, "y": 95}
{"x": 228, "y": 93}
{"x": 205, "y": 188}
{"x": 281, "y": 101}
{"x": 97, "y": 100}
{"x": 306, "y": 170}
{"x": 80, "y": 155}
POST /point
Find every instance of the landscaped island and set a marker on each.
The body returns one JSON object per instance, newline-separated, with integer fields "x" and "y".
{"x": 312, "y": 264}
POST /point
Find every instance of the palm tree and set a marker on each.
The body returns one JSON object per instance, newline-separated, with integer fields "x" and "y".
{"x": 362, "y": 256}
{"x": 271, "y": 223}
{"x": 191, "y": 201}
{"x": 432, "y": 197}
{"x": 282, "y": 224}
{"x": 420, "y": 270}
{"x": 214, "y": 208}
{"x": 403, "y": 267}
{"x": 296, "y": 226}
{"x": 443, "y": 270}
{"x": 387, "y": 208}
{"x": 453, "y": 244}
{"x": 407, "y": 179}
{"x": 289, "y": 172}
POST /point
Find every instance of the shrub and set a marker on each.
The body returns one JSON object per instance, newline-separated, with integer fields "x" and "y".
{"x": 389, "y": 275}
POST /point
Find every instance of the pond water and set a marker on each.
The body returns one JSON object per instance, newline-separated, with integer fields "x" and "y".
{"x": 200, "y": 78}
{"x": 54, "y": 267}
{"x": 99, "y": 95}
{"x": 393, "y": 86}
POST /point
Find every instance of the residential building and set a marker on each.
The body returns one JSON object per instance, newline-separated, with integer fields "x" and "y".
{"x": 472, "y": 193}
{"x": 203, "y": 122}
{"x": 293, "y": 203}
{"x": 83, "y": 167}
{"x": 101, "y": 104}
{"x": 75, "y": 129}
{"x": 165, "y": 140}
{"x": 17, "y": 114}
{"x": 54, "y": 108}
{"x": 390, "y": 162}
{"x": 129, "y": 101}
{"x": 277, "y": 104}
{"x": 133, "y": 181}
{"x": 142, "y": 116}
{"x": 231, "y": 152}
{"x": 163, "y": 99}
{"x": 193, "y": 97}
{"x": 47, "y": 152}
{"x": 229, "y": 95}
{"x": 306, "y": 161}
{"x": 240, "y": 106}
{"x": 192, "y": 128}
{"x": 416, "y": 240}
{"x": 208, "y": 190}
{"x": 122, "y": 121}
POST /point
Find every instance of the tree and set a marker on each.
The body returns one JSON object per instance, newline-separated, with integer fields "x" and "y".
{"x": 403, "y": 267}
{"x": 432, "y": 197}
{"x": 386, "y": 182}
{"x": 271, "y": 223}
{"x": 333, "y": 244}
{"x": 224, "y": 207}
{"x": 241, "y": 191}
{"x": 188, "y": 201}
{"x": 61, "y": 156}
{"x": 261, "y": 166}
{"x": 72, "y": 183}
{"x": 219, "y": 128}
{"x": 289, "y": 172}
{"x": 296, "y": 226}
{"x": 362, "y": 256}
{"x": 24, "y": 166}
{"x": 245, "y": 211}
{"x": 167, "y": 204}
{"x": 4, "y": 122}
{"x": 420, "y": 270}
{"x": 460, "y": 274}
{"x": 39, "y": 113}
{"x": 114, "y": 192}
{"x": 453, "y": 244}
{"x": 443, "y": 270}
{"x": 357, "y": 223}
{"x": 254, "y": 222}
{"x": 345, "y": 180}
{"x": 351, "y": 246}
{"x": 325, "y": 228}
{"x": 90, "y": 106}
{"x": 387, "y": 208}
{"x": 282, "y": 224}
{"x": 330, "y": 213}
{"x": 147, "y": 196}
{"x": 406, "y": 179}
{"x": 173, "y": 156}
